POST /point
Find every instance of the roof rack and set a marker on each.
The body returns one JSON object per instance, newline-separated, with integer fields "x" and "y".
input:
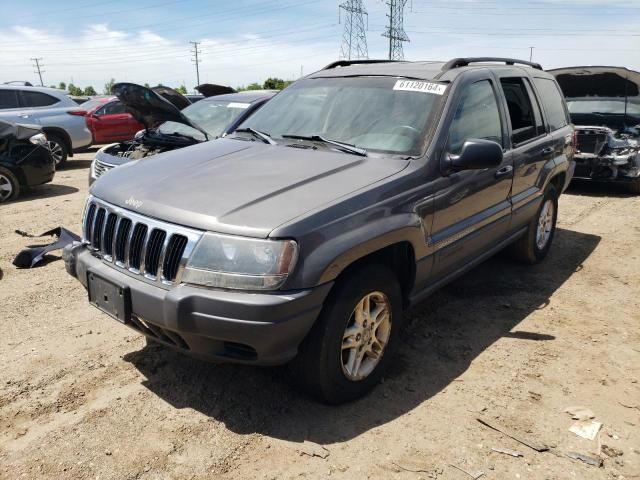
{"x": 346, "y": 63}
{"x": 463, "y": 62}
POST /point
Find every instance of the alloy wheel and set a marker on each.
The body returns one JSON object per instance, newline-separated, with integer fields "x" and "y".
{"x": 366, "y": 336}
{"x": 6, "y": 188}
{"x": 545, "y": 224}
{"x": 56, "y": 151}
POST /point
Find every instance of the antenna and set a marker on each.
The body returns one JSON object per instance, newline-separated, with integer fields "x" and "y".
{"x": 38, "y": 70}
{"x": 195, "y": 60}
{"x": 354, "y": 37}
{"x": 395, "y": 30}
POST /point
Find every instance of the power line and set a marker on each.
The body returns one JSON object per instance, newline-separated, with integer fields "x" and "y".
{"x": 395, "y": 30}
{"x": 195, "y": 60}
{"x": 354, "y": 37}
{"x": 38, "y": 71}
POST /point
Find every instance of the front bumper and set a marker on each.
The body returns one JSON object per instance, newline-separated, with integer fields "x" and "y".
{"x": 218, "y": 325}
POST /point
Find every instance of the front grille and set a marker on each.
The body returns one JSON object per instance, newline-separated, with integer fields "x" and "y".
{"x": 99, "y": 168}
{"x": 139, "y": 245}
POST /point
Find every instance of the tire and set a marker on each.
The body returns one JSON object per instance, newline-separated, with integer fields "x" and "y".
{"x": 634, "y": 187}
{"x": 9, "y": 185}
{"x": 323, "y": 366}
{"x": 528, "y": 249}
{"x": 59, "y": 149}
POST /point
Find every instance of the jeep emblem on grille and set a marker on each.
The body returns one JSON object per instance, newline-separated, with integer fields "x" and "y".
{"x": 132, "y": 202}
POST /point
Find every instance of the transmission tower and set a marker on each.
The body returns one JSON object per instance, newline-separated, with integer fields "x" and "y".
{"x": 38, "y": 70}
{"x": 196, "y": 60}
{"x": 354, "y": 37}
{"x": 395, "y": 30}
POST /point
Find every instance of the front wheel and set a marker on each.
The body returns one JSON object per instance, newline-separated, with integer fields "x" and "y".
{"x": 536, "y": 242}
{"x": 9, "y": 185}
{"x": 58, "y": 148}
{"x": 349, "y": 348}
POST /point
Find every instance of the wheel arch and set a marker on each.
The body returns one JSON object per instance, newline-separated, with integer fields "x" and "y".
{"x": 60, "y": 132}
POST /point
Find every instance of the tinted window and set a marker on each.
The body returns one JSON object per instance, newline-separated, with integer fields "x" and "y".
{"x": 521, "y": 112}
{"x": 37, "y": 99}
{"x": 8, "y": 99}
{"x": 113, "y": 108}
{"x": 553, "y": 103}
{"x": 477, "y": 117}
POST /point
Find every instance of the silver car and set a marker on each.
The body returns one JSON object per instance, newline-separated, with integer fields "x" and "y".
{"x": 59, "y": 116}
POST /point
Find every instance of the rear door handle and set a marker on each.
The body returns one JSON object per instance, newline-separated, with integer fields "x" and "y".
{"x": 548, "y": 151}
{"x": 504, "y": 171}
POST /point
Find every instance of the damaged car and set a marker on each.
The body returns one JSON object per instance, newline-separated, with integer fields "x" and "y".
{"x": 172, "y": 122}
{"x": 604, "y": 104}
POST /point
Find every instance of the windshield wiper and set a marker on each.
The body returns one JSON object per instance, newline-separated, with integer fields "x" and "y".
{"x": 345, "y": 147}
{"x": 256, "y": 133}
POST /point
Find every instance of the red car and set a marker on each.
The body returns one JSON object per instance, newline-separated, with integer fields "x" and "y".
{"x": 108, "y": 120}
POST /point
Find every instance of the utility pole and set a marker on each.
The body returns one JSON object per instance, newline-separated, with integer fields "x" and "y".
{"x": 354, "y": 37}
{"x": 195, "y": 60}
{"x": 395, "y": 30}
{"x": 531, "y": 53}
{"x": 38, "y": 71}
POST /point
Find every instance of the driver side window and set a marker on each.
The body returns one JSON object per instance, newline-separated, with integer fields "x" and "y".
{"x": 477, "y": 116}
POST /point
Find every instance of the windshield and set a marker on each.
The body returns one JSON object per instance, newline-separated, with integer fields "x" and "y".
{"x": 609, "y": 105}
{"x": 383, "y": 114}
{"x": 212, "y": 116}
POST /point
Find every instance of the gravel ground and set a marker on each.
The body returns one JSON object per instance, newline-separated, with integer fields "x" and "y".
{"x": 81, "y": 396}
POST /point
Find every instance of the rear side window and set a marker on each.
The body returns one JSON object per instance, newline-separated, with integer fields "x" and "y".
{"x": 526, "y": 121}
{"x": 37, "y": 99}
{"x": 553, "y": 103}
{"x": 477, "y": 117}
{"x": 8, "y": 99}
{"x": 112, "y": 109}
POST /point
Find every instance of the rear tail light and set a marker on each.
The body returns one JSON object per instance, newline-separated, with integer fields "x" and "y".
{"x": 79, "y": 113}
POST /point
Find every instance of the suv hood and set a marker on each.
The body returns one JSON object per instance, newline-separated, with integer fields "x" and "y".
{"x": 608, "y": 82}
{"x": 239, "y": 187}
{"x": 153, "y": 106}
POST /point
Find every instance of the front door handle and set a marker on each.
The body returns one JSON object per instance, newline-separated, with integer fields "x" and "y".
{"x": 548, "y": 151}
{"x": 504, "y": 171}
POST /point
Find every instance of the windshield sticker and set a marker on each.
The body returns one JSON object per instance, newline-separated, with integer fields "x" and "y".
{"x": 238, "y": 105}
{"x": 416, "y": 86}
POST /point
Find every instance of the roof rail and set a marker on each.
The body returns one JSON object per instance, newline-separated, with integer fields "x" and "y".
{"x": 463, "y": 62}
{"x": 346, "y": 63}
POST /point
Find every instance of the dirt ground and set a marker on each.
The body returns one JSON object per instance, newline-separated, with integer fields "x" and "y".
{"x": 81, "y": 396}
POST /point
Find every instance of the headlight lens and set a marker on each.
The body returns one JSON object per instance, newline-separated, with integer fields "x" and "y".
{"x": 226, "y": 261}
{"x": 39, "y": 139}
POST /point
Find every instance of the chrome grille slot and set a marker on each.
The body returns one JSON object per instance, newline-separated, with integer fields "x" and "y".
{"x": 136, "y": 245}
{"x": 121, "y": 239}
{"x": 153, "y": 251}
{"x": 99, "y": 168}
{"x": 171, "y": 263}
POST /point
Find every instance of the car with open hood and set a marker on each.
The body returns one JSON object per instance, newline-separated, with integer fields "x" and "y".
{"x": 604, "y": 103}
{"x": 25, "y": 159}
{"x": 351, "y": 195}
{"x": 171, "y": 121}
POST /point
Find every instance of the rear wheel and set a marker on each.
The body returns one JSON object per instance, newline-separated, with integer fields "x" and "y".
{"x": 58, "y": 147}
{"x": 349, "y": 348}
{"x": 9, "y": 185}
{"x": 535, "y": 244}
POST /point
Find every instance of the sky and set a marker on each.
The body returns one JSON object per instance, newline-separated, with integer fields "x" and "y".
{"x": 87, "y": 42}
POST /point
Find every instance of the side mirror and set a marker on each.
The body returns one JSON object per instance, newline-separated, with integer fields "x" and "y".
{"x": 476, "y": 154}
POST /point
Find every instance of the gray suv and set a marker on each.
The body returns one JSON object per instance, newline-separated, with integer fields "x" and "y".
{"x": 352, "y": 194}
{"x": 60, "y": 118}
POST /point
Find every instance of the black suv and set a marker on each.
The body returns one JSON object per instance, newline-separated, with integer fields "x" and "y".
{"x": 352, "y": 194}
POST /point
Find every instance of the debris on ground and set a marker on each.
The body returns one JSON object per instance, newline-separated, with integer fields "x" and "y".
{"x": 594, "y": 461}
{"x": 313, "y": 449}
{"x": 538, "y": 447}
{"x": 611, "y": 451}
{"x": 475, "y": 476}
{"x": 507, "y": 451}
{"x": 586, "y": 429}
{"x": 580, "y": 413}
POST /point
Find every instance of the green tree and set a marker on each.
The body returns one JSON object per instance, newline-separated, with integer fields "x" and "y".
{"x": 182, "y": 89}
{"x": 90, "y": 91}
{"x": 62, "y": 86}
{"x": 73, "y": 90}
{"x": 254, "y": 86}
{"x": 146, "y": 85}
{"x": 273, "y": 83}
{"x": 108, "y": 86}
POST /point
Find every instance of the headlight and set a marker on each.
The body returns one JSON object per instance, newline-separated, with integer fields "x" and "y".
{"x": 226, "y": 261}
{"x": 39, "y": 139}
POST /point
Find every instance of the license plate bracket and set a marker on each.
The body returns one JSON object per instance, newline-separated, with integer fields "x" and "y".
{"x": 109, "y": 297}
